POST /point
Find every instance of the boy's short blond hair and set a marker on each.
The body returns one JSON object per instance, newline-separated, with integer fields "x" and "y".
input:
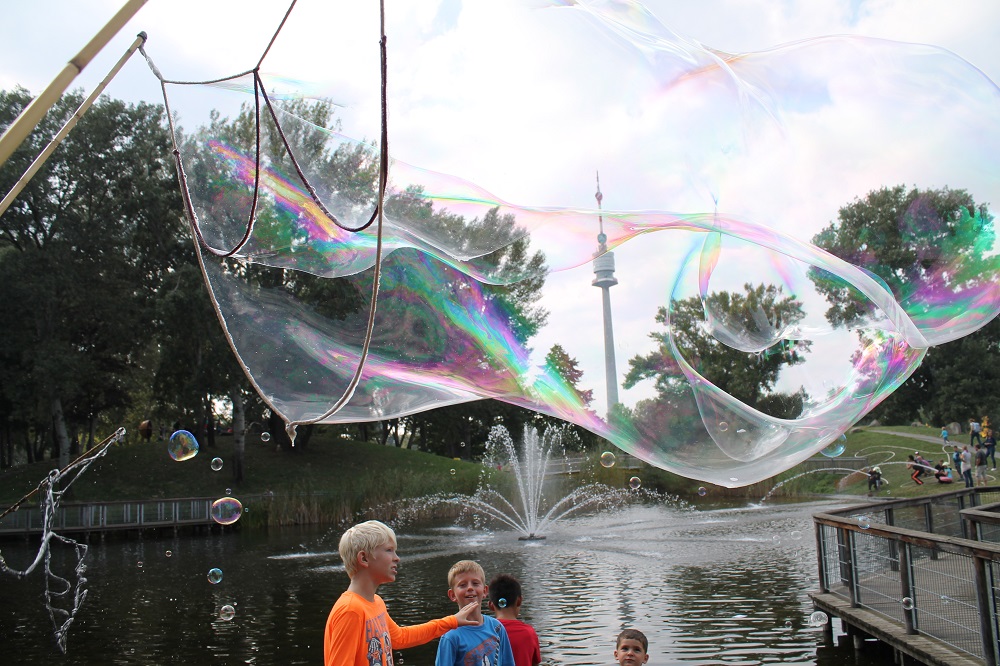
{"x": 465, "y": 566}
{"x": 366, "y": 537}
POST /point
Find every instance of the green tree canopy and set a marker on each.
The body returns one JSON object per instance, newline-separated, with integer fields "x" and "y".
{"x": 738, "y": 373}
{"x": 906, "y": 236}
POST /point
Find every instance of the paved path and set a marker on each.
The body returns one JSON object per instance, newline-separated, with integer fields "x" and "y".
{"x": 923, "y": 438}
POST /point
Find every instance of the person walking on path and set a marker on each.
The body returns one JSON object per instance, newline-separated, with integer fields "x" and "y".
{"x": 944, "y": 435}
{"x": 974, "y": 433}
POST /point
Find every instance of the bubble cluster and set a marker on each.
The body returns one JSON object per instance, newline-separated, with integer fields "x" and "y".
{"x": 215, "y": 576}
{"x": 607, "y": 459}
{"x": 226, "y": 510}
{"x": 741, "y": 371}
{"x": 216, "y": 464}
{"x": 182, "y": 445}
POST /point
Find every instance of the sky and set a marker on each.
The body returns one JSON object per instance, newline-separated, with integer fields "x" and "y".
{"x": 530, "y": 99}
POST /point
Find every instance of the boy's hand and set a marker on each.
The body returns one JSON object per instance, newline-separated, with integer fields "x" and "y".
{"x": 463, "y": 615}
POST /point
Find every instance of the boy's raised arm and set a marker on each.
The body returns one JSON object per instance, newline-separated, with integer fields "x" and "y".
{"x": 463, "y": 615}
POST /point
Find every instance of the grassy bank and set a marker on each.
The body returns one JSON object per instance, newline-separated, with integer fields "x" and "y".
{"x": 332, "y": 480}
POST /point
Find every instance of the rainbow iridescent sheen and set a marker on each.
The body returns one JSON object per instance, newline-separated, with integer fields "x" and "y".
{"x": 763, "y": 148}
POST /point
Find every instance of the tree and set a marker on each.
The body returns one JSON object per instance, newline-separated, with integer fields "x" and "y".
{"x": 83, "y": 250}
{"x": 749, "y": 380}
{"x": 910, "y": 238}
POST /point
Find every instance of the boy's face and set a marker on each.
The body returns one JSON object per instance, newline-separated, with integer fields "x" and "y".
{"x": 630, "y": 653}
{"x": 382, "y": 562}
{"x": 467, "y": 588}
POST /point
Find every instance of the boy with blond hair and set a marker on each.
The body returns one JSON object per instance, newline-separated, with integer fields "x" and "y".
{"x": 483, "y": 644}
{"x": 359, "y": 631}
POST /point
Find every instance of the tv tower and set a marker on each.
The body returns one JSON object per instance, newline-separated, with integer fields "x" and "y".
{"x": 604, "y": 278}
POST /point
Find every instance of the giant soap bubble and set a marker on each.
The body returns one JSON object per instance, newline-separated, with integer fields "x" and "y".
{"x": 733, "y": 162}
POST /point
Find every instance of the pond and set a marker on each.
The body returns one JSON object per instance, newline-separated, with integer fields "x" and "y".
{"x": 724, "y": 585}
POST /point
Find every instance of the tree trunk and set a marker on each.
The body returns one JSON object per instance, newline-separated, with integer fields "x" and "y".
{"x": 91, "y": 428}
{"x": 239, "y": 435}
{"x": 61, "y": 436}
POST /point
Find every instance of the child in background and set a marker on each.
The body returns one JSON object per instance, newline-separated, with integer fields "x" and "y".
{"x": 944, "y": 435}
{"x": 631, "y": 648}
{"x": 485, "y": 644}
{"x": 505, "y": 602}
{"x": 359, "y": 631}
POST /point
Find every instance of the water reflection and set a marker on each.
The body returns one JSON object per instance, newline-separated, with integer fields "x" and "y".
{"x": 707, "y": 587}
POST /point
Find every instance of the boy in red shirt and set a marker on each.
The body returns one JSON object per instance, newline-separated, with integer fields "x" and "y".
{"x": 359, "y": 631}
{"x": 505, "y": 602}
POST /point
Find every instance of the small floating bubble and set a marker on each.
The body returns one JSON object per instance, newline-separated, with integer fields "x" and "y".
{"x": 226, "y": 510}
{"x": 452, "y": 471}
{"x": 607, "y": 459}
{"x": 723, "y": 426}
{"x": 795, "y": 535}
{"x": 634, "y": 483}
{"x": 216, "y": 464}
{"x": 776, "y": 538}
{"x": 818, "y": 619}
{"x": 169, "y": 553}
{"x": 863, "y": 522}
{"x": 907, "y": 603}
{"x": 788, "y": 624}
{"x": 502, "y": 603}
{"x": 702, "y": 491}
{"x": 227, "y": 613}
{"x": 834, "y": 449}
{"x": 182, "y": 445}
{"x": 265, "y": 436}
{"x": 215, "y": 576}
{"x": 462, "y": 444}
{"x": 139, "y": 564}
{"x": 229, "y": 491}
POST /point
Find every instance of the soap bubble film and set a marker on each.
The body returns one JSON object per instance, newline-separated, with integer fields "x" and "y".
{"x": 182, "y": 445}
{"x": 226, "y": 510}
{"x": 748, "y": 339}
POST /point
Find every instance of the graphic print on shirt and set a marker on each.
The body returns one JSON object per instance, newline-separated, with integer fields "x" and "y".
{"x": 377, "y": 639}
{"x": 486, "y": 653}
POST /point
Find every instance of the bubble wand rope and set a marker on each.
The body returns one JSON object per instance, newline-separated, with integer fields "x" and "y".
{"x": 96, "y": 450}
{"x": 376, "y": 215}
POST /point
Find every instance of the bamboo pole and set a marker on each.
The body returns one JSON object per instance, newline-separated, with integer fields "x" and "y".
{"x": 36, "y": 110}
{"x": 70, "y": 124}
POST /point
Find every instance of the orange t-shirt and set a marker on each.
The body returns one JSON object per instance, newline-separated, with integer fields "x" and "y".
{"x": 361, "y": 633}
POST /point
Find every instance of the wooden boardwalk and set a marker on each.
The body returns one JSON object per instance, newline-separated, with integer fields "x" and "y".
{"x": 932, "y": 597}
{"x": 113, "y": 516}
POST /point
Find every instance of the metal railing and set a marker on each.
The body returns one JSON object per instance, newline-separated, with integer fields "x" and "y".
{"x": 101, "y": 516}
{"x": 916, "y": 562}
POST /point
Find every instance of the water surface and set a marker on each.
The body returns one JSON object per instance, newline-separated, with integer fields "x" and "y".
{"x": 707, "y": 586}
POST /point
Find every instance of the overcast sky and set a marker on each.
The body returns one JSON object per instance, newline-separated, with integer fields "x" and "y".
{"x": 528, "y": 101}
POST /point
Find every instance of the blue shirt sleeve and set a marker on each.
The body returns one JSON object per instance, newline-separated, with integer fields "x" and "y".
{"x": 447, "y": 650}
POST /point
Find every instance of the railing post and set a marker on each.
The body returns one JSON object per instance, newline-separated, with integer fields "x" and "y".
{"x": 906, "y": 583}
{"x": 962, "y": 523}
{"x": 890, "y": 520}
{"x": 987, "y": 606}
{"x": 929, "y": 524}
{"x": 821, "y": 557}
{"x": 845, "y": 541}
